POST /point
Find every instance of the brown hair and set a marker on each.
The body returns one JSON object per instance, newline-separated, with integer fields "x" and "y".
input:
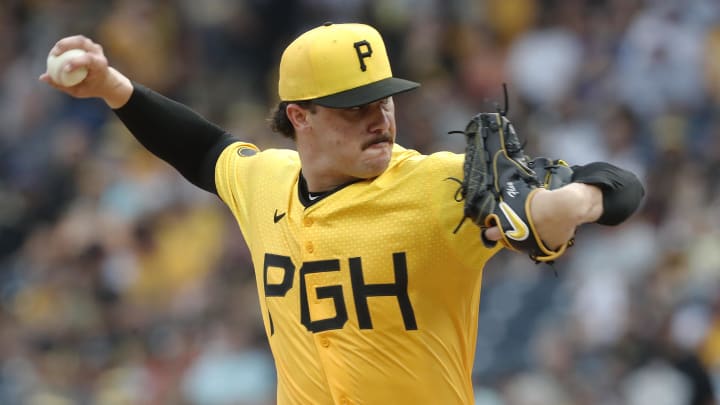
{"x": 279, "y": 121}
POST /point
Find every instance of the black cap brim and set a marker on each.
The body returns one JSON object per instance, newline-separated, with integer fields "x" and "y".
{"x": 367, "y": 93}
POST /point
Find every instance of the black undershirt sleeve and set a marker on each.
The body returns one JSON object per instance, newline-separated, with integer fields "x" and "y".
{"x": 622, "y": 190}
{"x": 176, "y": 134}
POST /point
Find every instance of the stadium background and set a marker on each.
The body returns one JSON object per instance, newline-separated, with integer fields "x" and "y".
{"x": 121, "y": 284}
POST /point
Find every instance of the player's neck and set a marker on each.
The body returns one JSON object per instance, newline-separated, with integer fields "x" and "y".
{"x": 308, "y": 197}
{"x": 323, "y": 181}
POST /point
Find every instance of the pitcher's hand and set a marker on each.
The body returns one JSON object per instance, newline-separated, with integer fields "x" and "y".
{"x": 102, "y": 80}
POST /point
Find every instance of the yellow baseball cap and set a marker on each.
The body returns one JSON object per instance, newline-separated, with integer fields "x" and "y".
{"x": 338, "y": 66}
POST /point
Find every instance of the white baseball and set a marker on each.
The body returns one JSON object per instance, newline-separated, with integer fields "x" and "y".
{"x": 56, "y": 68}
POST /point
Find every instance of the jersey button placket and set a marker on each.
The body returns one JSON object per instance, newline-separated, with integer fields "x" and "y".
{"x": 307, "y": 223}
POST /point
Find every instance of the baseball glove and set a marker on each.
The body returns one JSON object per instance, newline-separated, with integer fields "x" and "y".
{"x": 499, "y": 181}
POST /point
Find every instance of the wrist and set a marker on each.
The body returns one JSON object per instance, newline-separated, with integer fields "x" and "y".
{"x": 557, "y": 213}
{"x": 589, "y": 202}
{"x": 119, "y": 90}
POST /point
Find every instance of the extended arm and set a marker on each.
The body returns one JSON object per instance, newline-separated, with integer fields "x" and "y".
{"x": 535, "y": 205}
{"x": 168, "y": 129}
{"x": 599, "y": 193}
{"x": 176, "y": 134}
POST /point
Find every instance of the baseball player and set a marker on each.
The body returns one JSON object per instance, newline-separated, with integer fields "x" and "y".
{"x": 368, "y": 296}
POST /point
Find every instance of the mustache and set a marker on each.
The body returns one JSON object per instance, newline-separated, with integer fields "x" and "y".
{"x": 377, "y": 139}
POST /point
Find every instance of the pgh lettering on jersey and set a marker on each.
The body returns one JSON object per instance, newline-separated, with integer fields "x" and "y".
{"x": 360, "y": 291}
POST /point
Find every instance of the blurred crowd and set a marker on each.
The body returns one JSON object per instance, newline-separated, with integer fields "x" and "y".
{"x": 120, "y": 283}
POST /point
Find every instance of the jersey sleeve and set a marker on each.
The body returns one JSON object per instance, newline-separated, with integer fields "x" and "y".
{"x": 231, "y": 173}
{"x": 248, "y": 179}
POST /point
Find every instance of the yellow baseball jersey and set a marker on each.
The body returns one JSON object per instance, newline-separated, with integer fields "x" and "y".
{"x": 368, "y": 297}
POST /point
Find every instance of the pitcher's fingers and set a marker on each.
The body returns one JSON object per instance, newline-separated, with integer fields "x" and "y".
{"x": 72, "y": 42}
{"x": 85, "y": 60}
{"x": 45, "y": 78}
{"x": 493, "y": 233}
{"x": 95, "y": 48}
{"x": 90, "y": 60}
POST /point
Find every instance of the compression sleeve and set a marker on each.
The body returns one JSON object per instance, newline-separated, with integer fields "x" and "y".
{"x": 176, "y": 134}
{"x": 622, "y": 190}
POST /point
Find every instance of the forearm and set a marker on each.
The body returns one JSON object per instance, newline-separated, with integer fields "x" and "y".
{"x": 174, "y": 133}
{"x": 600, "y": 192}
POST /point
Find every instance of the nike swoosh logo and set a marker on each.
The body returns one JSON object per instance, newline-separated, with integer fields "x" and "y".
{"x": 277, "y": 218}
{"x": 519, "y": 229}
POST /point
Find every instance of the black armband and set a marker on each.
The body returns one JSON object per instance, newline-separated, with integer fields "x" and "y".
{"x": 176, "y": 134}
{"x": 621, "y": 189}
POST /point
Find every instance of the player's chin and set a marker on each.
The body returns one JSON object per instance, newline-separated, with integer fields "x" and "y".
{"x": 375, "y": 166}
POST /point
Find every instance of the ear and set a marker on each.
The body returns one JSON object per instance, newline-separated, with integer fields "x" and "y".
{"x": 298, "y": 116}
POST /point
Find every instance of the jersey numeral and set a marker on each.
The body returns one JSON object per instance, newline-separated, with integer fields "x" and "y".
{"x": 361, "y": 291}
